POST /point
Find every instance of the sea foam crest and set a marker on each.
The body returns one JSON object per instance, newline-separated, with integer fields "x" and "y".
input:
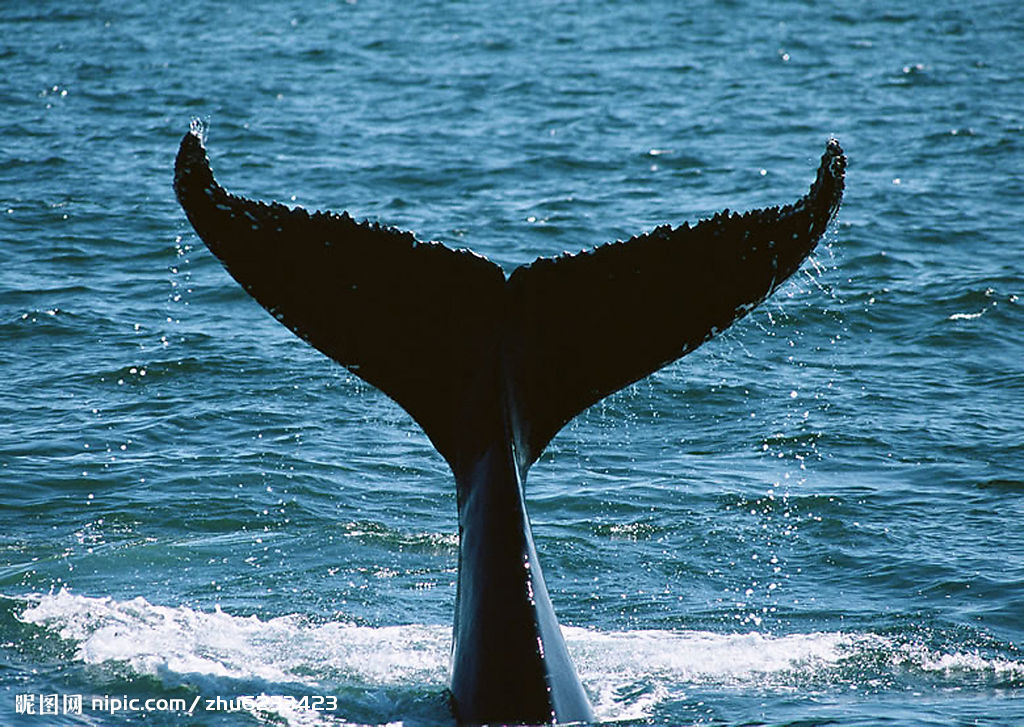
{"x": 627, "y": 673}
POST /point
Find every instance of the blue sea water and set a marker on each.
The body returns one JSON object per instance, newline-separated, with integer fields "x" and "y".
{"x": 813, "y": 519}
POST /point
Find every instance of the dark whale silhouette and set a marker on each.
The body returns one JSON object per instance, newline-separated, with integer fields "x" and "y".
{"x": 492, "y": 367}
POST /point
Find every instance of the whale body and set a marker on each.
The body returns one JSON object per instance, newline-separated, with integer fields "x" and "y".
{"x": 492, "y": 367}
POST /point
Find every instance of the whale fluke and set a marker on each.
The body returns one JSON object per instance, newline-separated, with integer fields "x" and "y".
{"x": 417, "y": 320}
{"x": 492, "y": 368}
{"x": 592, "y": 323}
{"x": 411, "y": 318}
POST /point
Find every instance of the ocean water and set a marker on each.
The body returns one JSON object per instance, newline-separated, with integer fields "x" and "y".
{"x": 813, "y": 519}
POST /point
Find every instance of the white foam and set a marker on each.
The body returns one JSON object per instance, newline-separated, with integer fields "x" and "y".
{"x": 966, "y": 316}
{"x": 950, "y": 664}
{"x": 705, "y": 657}
{"x": 627, "y": 673}
{"x": 660, "y": 665}
{"x": 155, "y": 639}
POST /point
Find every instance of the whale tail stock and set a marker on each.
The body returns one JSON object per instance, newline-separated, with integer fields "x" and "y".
{"x": 492, "y": 368}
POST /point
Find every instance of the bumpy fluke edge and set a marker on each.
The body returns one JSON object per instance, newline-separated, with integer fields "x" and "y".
{"x": 410, "y": 318}
{"x": 589, "y": 324}
{"x": 444, "y": 334}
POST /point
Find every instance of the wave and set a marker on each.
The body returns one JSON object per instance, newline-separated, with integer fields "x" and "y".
{"x": 629, "y": 674}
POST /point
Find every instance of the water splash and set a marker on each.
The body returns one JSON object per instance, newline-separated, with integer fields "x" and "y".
{"x": 629, "y": 674}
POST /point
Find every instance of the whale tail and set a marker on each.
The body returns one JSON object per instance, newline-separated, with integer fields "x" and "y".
{"x": 491, "y": 368}
{"x": 438, "y": 329}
